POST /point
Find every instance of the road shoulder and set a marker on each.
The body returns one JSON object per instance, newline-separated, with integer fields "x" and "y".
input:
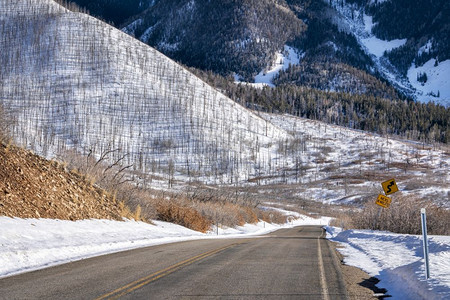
{"x": 358, "y": 283}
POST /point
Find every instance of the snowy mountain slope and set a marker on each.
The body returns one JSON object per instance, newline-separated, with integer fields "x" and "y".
{"x": 73, "y": 81}
{"x": 353, "y": 18}
{"x": 437, "y": 85}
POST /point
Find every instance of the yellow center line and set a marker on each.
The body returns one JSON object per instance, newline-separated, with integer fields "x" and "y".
{"x": 159, "y": 274}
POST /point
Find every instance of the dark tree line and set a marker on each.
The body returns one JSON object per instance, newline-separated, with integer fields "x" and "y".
{"x": 323, "y": 38}
{"x": 325, "y": 74}
{"x": 115, "y": 11}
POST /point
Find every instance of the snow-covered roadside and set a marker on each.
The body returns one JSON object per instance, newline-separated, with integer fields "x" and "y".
{"x": 31, "y": 244}
{"x": 397, "y": 261}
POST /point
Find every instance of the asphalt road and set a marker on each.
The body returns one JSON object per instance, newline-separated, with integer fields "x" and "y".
{"x": 287, "y": 264}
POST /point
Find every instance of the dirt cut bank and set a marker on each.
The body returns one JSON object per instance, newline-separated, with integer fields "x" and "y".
{"x": 33, "y": 187}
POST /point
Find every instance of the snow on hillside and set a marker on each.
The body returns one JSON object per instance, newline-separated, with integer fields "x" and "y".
{"x": 374, "y": 45}
{"x": 31, "y": 244}
{"x": 333, "y": 164}
{"x": 397, "y": 261}
{"x": 283, "y": 59}
{"x": 352, "y": 19}
{"x": 437, "y": 86}
{"x": 73, "y": 81}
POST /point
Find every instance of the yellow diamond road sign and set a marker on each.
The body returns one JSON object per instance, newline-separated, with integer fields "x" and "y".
{"x": 383, "y": 201}
{"x": 389, "y": 186}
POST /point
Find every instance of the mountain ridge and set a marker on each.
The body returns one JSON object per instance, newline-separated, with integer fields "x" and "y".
{"x": 182, "y": 29}
{"x": 322, "y": 37}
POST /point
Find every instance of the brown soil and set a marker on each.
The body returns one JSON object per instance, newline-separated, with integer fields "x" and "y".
{"x": 33, "y": 187}
{"x": 359, "y": 284}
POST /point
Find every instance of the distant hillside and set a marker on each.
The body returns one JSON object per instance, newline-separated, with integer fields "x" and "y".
{"x": 243, "y": 37}
{"x": 115, "y": 11}
{"x": 223, "y": 36}
{"x": 32, "y": 187}
{"x": 428, "y": 23}
{"x": 74, "y": 82}
{"x": 407, "y": 40}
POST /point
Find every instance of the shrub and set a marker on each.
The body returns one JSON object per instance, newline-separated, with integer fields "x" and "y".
{"x": 186, "y": 216}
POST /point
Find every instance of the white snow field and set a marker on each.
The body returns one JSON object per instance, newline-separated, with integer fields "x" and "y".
{"x": 397, "y": 261}
{"x": 31, "y": 244}
{"x": 337, "y": 165}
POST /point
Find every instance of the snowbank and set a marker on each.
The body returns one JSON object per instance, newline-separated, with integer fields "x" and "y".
{"x": 397, "y": 261}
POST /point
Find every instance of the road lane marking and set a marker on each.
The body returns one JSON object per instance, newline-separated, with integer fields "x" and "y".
{"x": 323, "y": 281}
{"x": 126, "y": 289}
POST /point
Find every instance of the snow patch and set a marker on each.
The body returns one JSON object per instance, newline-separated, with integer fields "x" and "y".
{"x": 355, "y": 21}
{"x": 378, "y": 47}
{"x": 425, "y": 48}
{"x": 289, "y": 56}
{"x": 375, "y": 45}
{"x": 437, "y": 86}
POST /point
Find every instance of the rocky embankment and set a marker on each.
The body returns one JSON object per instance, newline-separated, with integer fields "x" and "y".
{"x": 33, "y": 187}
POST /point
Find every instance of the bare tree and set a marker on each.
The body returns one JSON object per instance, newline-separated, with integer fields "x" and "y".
{"x": 5, "y": 125}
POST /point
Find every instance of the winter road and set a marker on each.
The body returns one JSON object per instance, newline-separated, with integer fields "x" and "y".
{"x": 292, "y": 263}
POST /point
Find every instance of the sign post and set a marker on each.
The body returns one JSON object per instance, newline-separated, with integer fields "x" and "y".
{"x": 423, "y": 216}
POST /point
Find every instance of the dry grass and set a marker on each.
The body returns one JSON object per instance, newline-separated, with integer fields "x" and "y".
{"x": 198, "y": 208}
{"x": 403, "y": 216}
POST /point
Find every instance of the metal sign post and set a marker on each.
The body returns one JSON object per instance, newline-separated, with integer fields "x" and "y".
{"x": 423, "y": 216}
{"x": 389, "y": 187}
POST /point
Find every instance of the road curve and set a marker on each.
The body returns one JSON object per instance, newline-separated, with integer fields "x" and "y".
{"x": 292, "y": 263}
